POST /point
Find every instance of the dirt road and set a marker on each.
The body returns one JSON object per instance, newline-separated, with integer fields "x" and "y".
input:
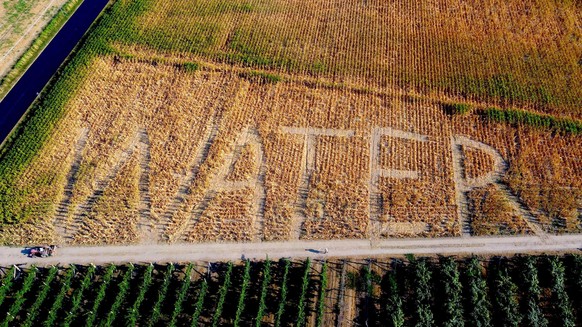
{"x": 297, "y": 249}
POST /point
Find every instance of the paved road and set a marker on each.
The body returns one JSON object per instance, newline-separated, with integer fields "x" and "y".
{"x": 297, "y": 249}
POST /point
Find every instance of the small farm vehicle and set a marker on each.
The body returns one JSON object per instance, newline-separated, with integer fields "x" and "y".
{"x": 42, "y": 251}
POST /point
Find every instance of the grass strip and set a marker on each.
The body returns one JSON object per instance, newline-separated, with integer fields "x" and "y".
{"x": 522, "y": 117}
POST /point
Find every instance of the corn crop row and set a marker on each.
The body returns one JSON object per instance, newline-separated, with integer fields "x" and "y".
{"x": 505, "y": 300}
{"x": 161, "y": 296}
{"x": 534, "y": 316}
{"x": 302, "y": 299}
{"x": 283, "y": 295}
{"x": 466, "y": 296}
{"x": 78, "y": 295}
{"x": 452, "y": 290}
{"x": 7, "y": 283}
{"x": 243, "y": 293}
{"x": 322, "y": 293}
{"x": 57, "y": 303}
{"x": 423, "y": 314}
{"x": 394, "y": 302}
{"x": 264, "y": 289}
{"x": 479, "y": 308}
{"x": 123, "y": 288}
{"x": 199, "y": 302}
{"x": 561, "y": 301}
{"x": 20, "y": 296}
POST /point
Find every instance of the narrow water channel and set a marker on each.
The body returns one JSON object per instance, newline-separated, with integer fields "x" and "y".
{"x": 25, "y": 91}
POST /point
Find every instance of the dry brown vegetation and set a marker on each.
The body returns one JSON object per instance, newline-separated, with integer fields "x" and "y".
{"x": 492, "y": 214}
{"x": 200, "y": 147}
{"x": 544, "y": 170}
{"x": 476, "y": 163}
{"x": 114, "y": 216}
{"x": 227, "y": 217}
{"x": 337, "y": 200}
{"x": 245, "y": 166}
{"x": 506, "y": 52}
{"x": 273, "y": 120}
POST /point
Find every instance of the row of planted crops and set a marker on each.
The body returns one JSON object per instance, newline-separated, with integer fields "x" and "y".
{"x": 522, "y": 290}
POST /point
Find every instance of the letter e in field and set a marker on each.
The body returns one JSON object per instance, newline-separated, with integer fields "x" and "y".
{"x": 376, "y": 171}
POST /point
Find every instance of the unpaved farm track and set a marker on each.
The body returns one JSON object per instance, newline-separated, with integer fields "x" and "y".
{"x": 298, "y": 249}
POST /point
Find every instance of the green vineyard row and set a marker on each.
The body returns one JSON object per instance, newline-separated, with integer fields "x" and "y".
{"x": 445, "y": 291}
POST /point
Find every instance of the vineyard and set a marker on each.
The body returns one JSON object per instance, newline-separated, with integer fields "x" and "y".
{"x": 445, "y": 291}
{"x": 258, "y": 120}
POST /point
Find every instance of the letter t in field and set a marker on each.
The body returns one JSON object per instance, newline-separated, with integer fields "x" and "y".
{"x": 308, "y": 164}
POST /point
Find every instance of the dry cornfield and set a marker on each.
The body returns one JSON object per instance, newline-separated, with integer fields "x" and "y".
{"x": 278, "y": 120}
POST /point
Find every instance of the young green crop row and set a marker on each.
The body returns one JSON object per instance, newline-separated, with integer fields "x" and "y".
{"x": 525, "y": 290}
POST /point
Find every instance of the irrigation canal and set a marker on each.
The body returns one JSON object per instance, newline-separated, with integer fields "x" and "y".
{"x": 25, "y": 91}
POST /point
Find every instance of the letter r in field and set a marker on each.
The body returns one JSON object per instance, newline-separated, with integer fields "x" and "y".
{"x": 465, "y": 183}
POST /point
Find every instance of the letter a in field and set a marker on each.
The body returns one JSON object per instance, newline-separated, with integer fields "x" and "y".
{"x": 220, "y": 182}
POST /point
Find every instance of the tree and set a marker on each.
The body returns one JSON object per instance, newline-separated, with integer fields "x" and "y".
{"x": 506, "y": 305}
{"x": 452, "y": 305}
{"x": 479, "y": 313}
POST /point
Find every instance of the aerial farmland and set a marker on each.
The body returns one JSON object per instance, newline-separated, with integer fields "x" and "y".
{"x": 215, "y": 122}
{"x": 250, "y": 121}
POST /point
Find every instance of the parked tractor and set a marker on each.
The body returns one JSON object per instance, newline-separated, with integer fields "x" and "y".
{"x": 42, "y": 251}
